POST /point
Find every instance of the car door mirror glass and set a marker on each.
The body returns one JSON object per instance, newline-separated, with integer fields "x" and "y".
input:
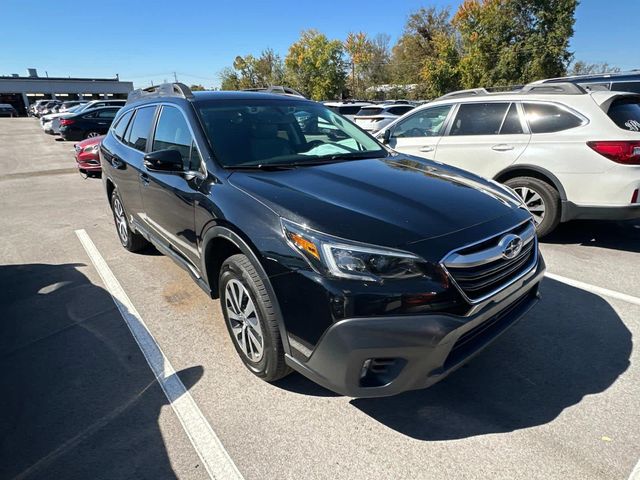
{"x": 386, "y": 136}
{"x": 164, "y": 161}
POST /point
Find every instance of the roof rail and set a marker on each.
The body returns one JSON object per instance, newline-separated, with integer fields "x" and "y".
{"x": 163, "y": 90}
{"x": 563, "y": 88}
{"x": 277, "y": 89}
{"x": 465, "y": 93}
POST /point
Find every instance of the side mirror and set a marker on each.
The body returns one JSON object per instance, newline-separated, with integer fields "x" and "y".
{"x": 164, "y": 161}
{"x": 386, "y": 136}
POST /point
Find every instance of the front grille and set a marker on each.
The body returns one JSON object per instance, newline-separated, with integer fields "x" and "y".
{"x": 481, "y": 270}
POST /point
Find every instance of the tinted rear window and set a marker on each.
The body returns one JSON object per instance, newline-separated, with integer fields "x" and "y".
{"x": 370, "y": 111}
{"x": 400, "y": 110}
{"x": 625, "y": 113}
{"x": 626, "y": 86}
{"x": 350, "y": 110}
{"x": 545, "y": 118}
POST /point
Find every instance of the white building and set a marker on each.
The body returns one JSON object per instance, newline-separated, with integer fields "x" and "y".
{"x": 22, "y": 91}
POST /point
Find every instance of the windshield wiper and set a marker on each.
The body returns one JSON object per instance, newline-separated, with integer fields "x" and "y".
{"x": 323, "y": 160}
{"x": 263, "y": 166}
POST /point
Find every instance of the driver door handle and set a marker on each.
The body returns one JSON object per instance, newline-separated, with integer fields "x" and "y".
{"x": 502, "y": 147}
{"x": 427, "y": 148}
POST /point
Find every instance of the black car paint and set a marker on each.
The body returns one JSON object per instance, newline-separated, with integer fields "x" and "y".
{"x": 84, "y": 123}
{"x": 398, "y": 201}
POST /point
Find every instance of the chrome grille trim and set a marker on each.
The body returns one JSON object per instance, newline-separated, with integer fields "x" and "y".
{"x": 456, "y": 259}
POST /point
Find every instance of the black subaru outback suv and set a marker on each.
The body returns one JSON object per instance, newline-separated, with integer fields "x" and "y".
{"x": 368, "y": 271}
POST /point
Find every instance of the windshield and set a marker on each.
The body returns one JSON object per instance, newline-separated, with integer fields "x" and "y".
{"x": 256, "y": 132}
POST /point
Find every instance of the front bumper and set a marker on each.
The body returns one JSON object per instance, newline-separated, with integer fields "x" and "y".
{"x": 409, "y": 352}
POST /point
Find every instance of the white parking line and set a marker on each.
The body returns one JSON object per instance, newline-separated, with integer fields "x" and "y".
{"x": 215, "y": 458}
{"x": 635, "y": 475}
{"x": 594, "y": 289}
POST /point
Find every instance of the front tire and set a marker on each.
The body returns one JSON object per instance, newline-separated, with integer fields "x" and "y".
{"x": 129, "y": 239}
{"x": 542, "y": 200}
{"x": 251, "y": 320}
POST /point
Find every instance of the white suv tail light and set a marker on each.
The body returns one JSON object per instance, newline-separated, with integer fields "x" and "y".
{"x": 625, "y": 152}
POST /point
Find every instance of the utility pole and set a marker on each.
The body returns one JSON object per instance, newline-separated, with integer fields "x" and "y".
{"x": 175, "y": 77}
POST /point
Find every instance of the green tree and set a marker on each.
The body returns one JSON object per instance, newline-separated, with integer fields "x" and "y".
{"x": 506, "y": 42}
{"x": 584, "y": 68}
{"x": 197, "y": 88}
{"x": 314, "y": 65}
{"x": 359, "y": 49}
{"x": 252, "y": 72}
{"x": 441, "y": 73}
{"x": 416, "y": 43}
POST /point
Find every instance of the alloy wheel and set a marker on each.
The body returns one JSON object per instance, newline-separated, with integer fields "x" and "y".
{"x": 93, "y": 134}
{"x": 244, "y": 321}
{"x": 121, "y": 221}
{"x": 534, "y": 203}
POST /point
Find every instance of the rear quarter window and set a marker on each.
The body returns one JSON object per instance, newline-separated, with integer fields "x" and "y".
{"x": 545, "y": 118}
{"x": 625, "y": 113}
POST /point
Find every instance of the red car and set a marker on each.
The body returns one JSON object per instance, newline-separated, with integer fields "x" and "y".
{"x": 87, "y": 156}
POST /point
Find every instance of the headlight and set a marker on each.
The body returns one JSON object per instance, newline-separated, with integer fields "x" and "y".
{"x": 92, "y": 148}
{"x": 339, "y": 258}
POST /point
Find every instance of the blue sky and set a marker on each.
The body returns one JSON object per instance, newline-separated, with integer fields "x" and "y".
{"x": 146, "y": 41}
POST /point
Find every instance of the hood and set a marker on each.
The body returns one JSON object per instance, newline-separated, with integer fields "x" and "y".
{"x": 390, "y": 201}
{"x": 90, "y": 141}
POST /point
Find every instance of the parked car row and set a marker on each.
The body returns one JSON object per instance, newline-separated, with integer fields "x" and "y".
{"x": 371, "y": 116}
{"x": 410, "y": 253}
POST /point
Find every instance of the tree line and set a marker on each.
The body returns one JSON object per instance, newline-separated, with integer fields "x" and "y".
{"x": 488, "y": 43}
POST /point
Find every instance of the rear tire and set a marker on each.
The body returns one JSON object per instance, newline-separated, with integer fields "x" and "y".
{"x": 132, "y": 241}
{"x": 542, "y": 200}
{"x": 251, "y": 320}
{"x": 91, "y": 134}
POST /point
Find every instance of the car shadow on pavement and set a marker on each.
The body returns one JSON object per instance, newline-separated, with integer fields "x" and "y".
{"x": 623, "y": 236}
{"x": 78, "y": 398}
{"x": 572, "y": 344}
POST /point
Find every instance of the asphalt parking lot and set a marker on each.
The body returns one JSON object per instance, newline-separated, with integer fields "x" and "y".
{"x": 556, "y": 397}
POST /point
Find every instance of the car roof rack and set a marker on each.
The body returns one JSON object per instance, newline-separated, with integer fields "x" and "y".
{"x": 163, "y": 90}
{"x": 277, "y": 89}
{"x": 561, "y": 88}
{"x": 472, "y": 92}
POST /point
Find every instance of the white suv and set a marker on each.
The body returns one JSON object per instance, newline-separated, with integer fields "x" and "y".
{"x": 567, "y": 152}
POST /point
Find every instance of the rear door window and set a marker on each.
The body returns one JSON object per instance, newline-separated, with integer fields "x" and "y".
{"x": 110, "y": 113}
{"x": 625, "y": 113}
{"x": 121, "y": 126}
{"x": 140, "y": 128}
{"x": 479, "y": 119}
{"x": 546, "y": 118}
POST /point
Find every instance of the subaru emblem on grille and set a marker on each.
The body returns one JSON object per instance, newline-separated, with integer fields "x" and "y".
{"x": 511, "y": 246}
